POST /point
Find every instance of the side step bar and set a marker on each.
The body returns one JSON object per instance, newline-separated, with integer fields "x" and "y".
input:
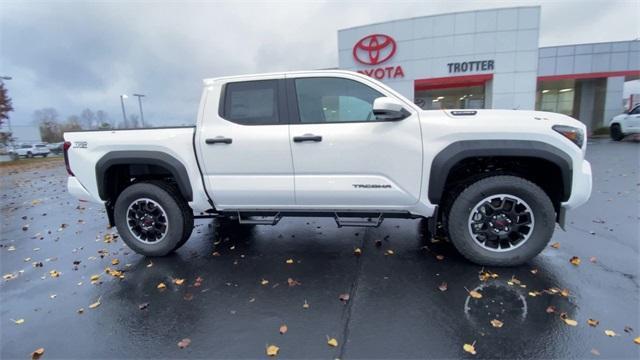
{"x": 262, "y": 220}
{"x": 358, "y": 221}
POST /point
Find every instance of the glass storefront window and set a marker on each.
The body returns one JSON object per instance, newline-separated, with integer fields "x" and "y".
{"x": 470, "y": 97}
{"x": 556, "y": 96}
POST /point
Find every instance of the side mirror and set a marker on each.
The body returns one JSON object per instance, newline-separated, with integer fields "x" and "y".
{"x": 389, "y": 109}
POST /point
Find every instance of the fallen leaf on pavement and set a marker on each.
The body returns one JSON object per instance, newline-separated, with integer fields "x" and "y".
{"x": 81, "y": 311}
{"x": 443, "y": 286}
{"x": 143, "y": 306}
{"x": 496, "y": 323}
{"x": 184, "y": 343}
{"x": 18, "y": 322}
{"x": 283, "y": 329}
{"x": 474, "y": 294}
{"x": 289, "y": 261}
{"x": 389, "y": 252}
{"x": 150, "y": 264}
{"x": 570, "y": 322}
{"x": 534, "y": 271}
{"x": 550, "y": 309}
{"x": 161, "y": 286}
{"x": 628, "y": 329}
{"x": 293, "y": 282}
{"x": 595, "y": 352}
{"x": 610, "y": 333}
{"x": 593, "y": 322}
{"x": 305, "y": 305}
{"x": 344, "y": 297}
{"x": 575, "y": 260}
{"x": 440, "y": 257}
{"x": 115, "y": 261}
{"x": 272, "y": 350}
{"x": 637, "y": 340}
{"x": 332, "y": 342}
{"x": 357, "y": 251}
{"x": 470, "y": 348}
{"x": 555, "y": 245}
{"x": 178, "y": 281}
{"x": 54, "y": 273}
{"x": 264, "y": 282}
{"x": 593, "y": 259}
{"x": 95, "y": 304}
{"x": 37, "y": 354}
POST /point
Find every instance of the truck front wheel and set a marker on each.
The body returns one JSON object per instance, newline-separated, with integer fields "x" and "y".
{"x": 152, "y": 218}
{"x": 501, "y": 221}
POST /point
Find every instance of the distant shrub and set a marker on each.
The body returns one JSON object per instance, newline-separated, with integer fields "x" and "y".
{"x": 601, "y": 131}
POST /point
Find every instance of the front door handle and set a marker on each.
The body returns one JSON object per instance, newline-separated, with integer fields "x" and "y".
{"x": 307, "y": 137}
{"x": 219, "y": 140}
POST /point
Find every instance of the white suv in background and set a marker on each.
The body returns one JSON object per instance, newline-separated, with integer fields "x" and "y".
{"x": 625, "y": 124}
{"x": 31, "y": 150}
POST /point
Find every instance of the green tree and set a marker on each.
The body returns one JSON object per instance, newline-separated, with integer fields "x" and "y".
{"x": 5, "y": 104}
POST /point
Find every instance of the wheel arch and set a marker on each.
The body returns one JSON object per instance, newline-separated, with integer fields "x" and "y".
{"x": 455, "y": 153}
{"x": 149, "y": 161}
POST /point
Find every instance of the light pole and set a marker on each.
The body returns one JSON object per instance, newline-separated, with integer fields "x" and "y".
{"x": 140, "y": 96}
{"x": 3, "y": 78}
{"x": 124, "y": 114}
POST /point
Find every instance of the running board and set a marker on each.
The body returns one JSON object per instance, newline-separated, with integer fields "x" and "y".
{"x": 263, "y": 220}
{"x": 358, "y": 221}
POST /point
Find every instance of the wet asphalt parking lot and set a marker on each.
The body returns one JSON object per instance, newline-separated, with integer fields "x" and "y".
{"x": 238, "y": 288}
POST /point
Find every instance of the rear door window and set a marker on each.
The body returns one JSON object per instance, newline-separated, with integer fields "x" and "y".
{"x": 252, "y": 102}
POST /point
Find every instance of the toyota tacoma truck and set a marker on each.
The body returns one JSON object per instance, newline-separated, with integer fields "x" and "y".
{"x": 338, "y": 144}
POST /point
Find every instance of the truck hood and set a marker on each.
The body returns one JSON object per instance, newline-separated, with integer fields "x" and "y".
{"x": 521, "y": 118}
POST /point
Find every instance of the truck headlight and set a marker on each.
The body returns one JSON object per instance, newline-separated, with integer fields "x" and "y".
{"x": 574, "y": 134}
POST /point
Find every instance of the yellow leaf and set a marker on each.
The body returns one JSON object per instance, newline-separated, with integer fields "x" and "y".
{"x": 610, "y": 333}
{"x": 389, "y": 252}
{"x": 555, "y": 245}
{"x": 161, "y": 286}
{"x": 264, "y": 282}
{"x": 357, "y": 251}
{"x": 564, "y": 292}
{"x": 37, "y": 354}
{"x": 637, "y": 340}
{"x": 570, "y": 322}
{"x": 150, "y": 264}
{"x": 469, "y": 348}
{"x": 115, "y": 261}
{"x": 54, "y": 273}
{"x": 289, "y": 261}
{"x": 18, "y": 322}
{"x": 178, "y": 281}
{"x": 272, "y": 350}
{"x": 283, "y": 329}
{"x": 95, "y": 304}
{"x": 474, "y": 294}
{"x": 332, "y": 342}
{"x": 575, "y": 260}
{"x": 593, "y": 322}
{"x": 496, "y": 323}
{"x": 305, "y": 305}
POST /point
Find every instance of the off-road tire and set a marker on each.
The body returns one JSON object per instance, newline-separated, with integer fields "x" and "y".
{"x": 457, "y": 221}
{"x": 178, "y": 213}
{"x": 616, "y": 132}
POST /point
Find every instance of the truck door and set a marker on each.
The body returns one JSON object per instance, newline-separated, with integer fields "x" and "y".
{"x": 343, "y": 157}
{"x": 243, "y": 138}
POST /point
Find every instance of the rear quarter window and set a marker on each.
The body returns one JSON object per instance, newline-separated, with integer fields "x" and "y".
{"x": 251, "y": 102}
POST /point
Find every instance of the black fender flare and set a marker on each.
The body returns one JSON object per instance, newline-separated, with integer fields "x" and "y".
{"x": 158, "y": 158}
{"x": 444, "y": 161}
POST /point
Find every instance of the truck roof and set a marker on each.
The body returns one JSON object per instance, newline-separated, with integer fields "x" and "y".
{"x": 208, "y": 81}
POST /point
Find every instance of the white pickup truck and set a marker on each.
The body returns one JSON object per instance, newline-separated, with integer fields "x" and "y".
{"x": 338, "y": 144}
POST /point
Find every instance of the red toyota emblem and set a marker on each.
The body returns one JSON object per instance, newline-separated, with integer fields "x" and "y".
{"x": 374, "y": 49}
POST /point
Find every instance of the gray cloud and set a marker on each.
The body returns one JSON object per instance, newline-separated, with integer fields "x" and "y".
{"x": 72, "y": 55}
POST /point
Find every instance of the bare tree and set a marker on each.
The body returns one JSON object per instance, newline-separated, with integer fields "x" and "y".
{"x": 72, "y": 123}
{"x": 133, "y": 120}
{"x": 103, "y": 119}
{"x": 87, "y": 116}
{"x": 47, "y": 121}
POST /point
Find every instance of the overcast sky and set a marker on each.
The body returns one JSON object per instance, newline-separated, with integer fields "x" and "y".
{"x": 73, "y": 55}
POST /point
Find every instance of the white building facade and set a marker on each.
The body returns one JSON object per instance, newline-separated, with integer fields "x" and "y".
{"x": 492, "y": 59}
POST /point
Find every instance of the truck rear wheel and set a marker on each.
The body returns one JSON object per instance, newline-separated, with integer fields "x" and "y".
{"x": 501, "y": 221}
{"x": 152, "y": 218}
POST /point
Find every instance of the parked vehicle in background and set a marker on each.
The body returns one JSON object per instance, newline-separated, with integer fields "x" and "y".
{"x": 31, "y": 150}
{"x": 625, "y": 124}
{"x": 56, "y": 148}
{"x": 338, "y": 144}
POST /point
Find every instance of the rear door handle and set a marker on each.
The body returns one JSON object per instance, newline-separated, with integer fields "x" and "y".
{"x": 307, "y": 137}
{"x": 219, "y": 140}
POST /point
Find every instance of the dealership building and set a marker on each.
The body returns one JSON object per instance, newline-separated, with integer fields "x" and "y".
{"x": 491, "y": 59}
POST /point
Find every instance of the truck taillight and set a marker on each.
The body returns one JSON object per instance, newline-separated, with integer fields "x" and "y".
{"x": 65, "y": 148}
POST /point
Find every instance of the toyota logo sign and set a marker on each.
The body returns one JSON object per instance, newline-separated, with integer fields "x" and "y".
{"x": 374, "y": 49}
